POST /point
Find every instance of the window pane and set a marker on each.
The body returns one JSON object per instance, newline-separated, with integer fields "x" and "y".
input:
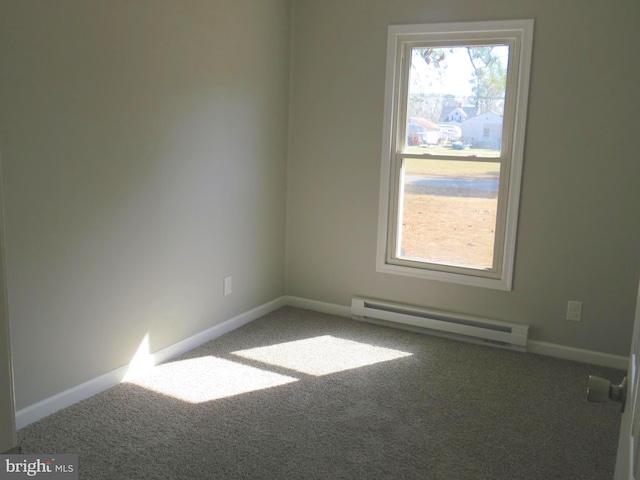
{"x": 449, "y": 210}
{"x": 455, "y": 100}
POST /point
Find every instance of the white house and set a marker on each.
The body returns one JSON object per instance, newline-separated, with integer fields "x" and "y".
{"x": 483, "y": 131}
{"x": 457, "y": 114}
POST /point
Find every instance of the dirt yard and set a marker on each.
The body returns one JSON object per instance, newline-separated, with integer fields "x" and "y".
{"x": 446, "y": 228}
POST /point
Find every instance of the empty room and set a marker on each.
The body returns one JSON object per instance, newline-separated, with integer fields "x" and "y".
{"x": 319, "y": 238}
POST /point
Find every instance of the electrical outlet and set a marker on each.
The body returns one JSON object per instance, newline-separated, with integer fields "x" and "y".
{"x": 574, "y": 311}
{"x": 228, "y": 285}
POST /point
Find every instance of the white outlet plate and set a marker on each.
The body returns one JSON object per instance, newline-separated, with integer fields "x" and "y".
{"x": 574, "y": 311}
{"x": 228, "y": 285}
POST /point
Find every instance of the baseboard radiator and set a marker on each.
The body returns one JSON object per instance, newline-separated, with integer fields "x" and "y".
{"x": 452, "y": 325}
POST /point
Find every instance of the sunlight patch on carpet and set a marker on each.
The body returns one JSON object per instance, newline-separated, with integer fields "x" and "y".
{"x": 203, "y": 379}
{"x": 321, "y": 355}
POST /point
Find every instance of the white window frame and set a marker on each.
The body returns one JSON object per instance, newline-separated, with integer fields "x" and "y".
{"x": 518, "y": 34}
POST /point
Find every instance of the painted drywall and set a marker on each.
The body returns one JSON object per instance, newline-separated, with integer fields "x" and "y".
{"x": 579, "y": 230}
{"x": 8, "y": 438}
{"x": 144, "y": 148}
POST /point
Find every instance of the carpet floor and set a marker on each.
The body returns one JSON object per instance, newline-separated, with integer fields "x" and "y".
{"x": 304, "y": 395}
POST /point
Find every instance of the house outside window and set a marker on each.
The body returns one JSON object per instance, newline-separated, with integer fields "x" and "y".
{"x": 455, "y": 111}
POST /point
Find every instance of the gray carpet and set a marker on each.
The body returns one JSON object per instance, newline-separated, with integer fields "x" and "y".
{"x": 338, "y": 399}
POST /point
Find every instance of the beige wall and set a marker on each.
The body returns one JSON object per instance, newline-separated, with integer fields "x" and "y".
{"x": 579, "y": 233}
{"x": 144, "y": 149}
{"x": 8, "y": 438}
{"x": 145, "y": 144}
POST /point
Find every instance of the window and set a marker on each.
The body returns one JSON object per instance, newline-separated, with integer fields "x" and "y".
{"x": 455, "y": 111}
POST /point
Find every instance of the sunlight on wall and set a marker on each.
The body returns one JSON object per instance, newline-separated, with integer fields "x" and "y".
{"x": 142, "y": 361}
{"x": 321, "y": 355}
{"x": 204, "y": 379}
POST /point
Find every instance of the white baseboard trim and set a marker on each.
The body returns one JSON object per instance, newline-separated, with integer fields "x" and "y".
{"x": 578, "y": 354}
{"x": 50, "y": 405}
{"x": 317, "y": 306}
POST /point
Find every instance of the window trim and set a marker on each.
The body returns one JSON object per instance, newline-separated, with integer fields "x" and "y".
{"x": 519, "y": 34}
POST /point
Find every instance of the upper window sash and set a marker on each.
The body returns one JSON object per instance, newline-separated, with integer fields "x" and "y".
{"x": 403, "y": 73}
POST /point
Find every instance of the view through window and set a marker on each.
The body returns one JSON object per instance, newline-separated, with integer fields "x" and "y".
{"x": 455, "y": 107}
{"x": 455, "y": 110}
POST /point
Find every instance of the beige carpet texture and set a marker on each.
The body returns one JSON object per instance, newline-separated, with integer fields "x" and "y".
{"x": 304, "y": 395}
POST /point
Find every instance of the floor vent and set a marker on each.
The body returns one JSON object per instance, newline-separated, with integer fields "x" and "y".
{"x": 452, "y": 325}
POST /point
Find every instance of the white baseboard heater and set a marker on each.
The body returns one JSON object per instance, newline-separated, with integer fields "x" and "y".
{"x": 452, "y": 325}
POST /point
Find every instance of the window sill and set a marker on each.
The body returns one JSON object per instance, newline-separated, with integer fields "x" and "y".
{"x": 449, "y": 277}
